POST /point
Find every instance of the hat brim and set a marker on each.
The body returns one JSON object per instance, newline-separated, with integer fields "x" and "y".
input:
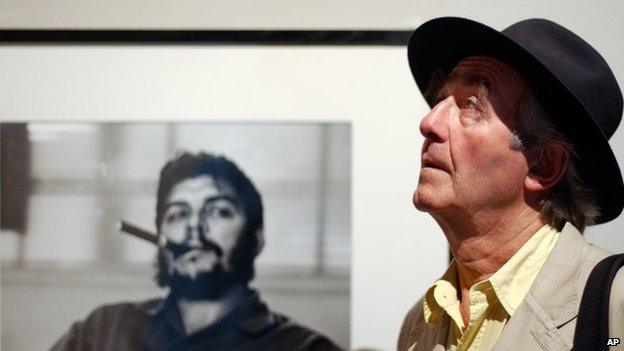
{"x": 438, "y": 45}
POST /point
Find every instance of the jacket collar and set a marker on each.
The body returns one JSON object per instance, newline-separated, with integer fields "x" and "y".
{"x": 553, "y": 298}
{"x": 164, "y": 323}
{"x": 555, "y": 288}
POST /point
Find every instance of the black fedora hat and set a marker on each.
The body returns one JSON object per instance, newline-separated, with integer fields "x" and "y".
{"x": 569, "y": 78}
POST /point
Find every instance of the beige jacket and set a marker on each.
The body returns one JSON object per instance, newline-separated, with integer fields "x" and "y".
{"x": 547, "y": 316}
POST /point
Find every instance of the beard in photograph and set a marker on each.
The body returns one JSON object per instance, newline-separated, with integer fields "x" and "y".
{"x": 201, "y": 273}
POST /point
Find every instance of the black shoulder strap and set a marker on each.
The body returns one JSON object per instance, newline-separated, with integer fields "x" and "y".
{"x": 592, "y": 324}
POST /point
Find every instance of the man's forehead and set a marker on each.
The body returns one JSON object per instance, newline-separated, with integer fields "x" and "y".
{"x": 202, "y": 186}
{"x": 481, "y": 72}
{"x": 485, "y": 70}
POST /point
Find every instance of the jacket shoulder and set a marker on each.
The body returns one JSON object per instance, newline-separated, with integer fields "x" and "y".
{"x": 594, "y": 255}
{"x": 101, "y": 323}
{"x": 105, "y": 314}
{"x": 141, "y": 307}
{"x": 288, "y": 334}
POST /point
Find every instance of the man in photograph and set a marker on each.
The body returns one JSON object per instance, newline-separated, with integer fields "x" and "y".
{"x": 515, "y": 164}
{"x": 210, "y": 229}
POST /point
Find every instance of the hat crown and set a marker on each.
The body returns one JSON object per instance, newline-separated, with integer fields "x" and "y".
{"x": 576, "y": 64}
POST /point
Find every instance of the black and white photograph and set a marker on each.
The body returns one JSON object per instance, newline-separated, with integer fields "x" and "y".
{"x": 142, "y": 229}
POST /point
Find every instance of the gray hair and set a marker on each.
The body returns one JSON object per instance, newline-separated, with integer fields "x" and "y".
{"x": 569, "y": 200}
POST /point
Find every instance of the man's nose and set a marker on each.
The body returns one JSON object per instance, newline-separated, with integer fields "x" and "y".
{"x": 434, "y": 126}
{"x": 194, "y": 230}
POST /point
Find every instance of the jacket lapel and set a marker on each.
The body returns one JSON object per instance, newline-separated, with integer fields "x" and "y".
{"x": 551, "y": 303}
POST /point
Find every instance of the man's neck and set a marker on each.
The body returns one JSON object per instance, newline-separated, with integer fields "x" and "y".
{"x": 482, "y": 244}
{"x": 199, "y": 314}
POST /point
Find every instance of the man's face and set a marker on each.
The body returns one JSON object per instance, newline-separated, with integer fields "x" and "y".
{"x": 467, "y": 163}
{"x": 207, "y": 218}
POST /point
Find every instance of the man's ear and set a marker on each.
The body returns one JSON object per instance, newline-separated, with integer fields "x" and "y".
{"x": 547, "y": 165}
{"x": 259, "y": 241}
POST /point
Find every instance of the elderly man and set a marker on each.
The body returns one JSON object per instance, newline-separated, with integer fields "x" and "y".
{"x": 515, "y": 164}
{"x": 210, "y": 219}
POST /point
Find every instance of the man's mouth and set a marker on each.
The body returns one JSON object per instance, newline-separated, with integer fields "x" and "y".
{"x": 196, "y": 261}
{"x": 428, "y": 162}
{"x": 180, "y": 249}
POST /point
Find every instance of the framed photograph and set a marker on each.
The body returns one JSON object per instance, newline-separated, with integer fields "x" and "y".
{"x": 256, "y": 97}
{"x": 66, "y": 248}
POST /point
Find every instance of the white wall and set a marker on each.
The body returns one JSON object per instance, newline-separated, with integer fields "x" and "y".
{"x": 397, "y": 251}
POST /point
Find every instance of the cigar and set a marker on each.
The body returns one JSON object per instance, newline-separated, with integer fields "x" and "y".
{"x": 138, "y": 232}
{"x": 177, "y": 248}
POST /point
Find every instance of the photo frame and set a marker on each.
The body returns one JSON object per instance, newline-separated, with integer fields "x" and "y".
{"x": 264, "y": 76}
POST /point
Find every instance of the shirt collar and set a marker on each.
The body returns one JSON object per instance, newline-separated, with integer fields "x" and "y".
{"x": 164, "y": 323}
{"x": 514, "y": 279}
{"x": 253, "y": 315}
{"x": 442, "y": 297}
{"x": 510, "y": 283}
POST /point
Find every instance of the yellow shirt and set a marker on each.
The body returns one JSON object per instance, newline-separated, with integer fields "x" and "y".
{"x": 492, "y": 301}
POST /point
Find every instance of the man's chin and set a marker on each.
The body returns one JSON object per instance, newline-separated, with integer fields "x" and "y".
{"x": 426, "y": 202}
{"x": 205, "y": 286}
{"x": 419, "y": 201}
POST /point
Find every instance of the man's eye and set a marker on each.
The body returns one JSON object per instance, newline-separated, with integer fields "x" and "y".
{"x": 220, "y": 212}
{"x": 471, "y": 103}
{"x": 176, "y": 216}
{"x": 471, "y": 109}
